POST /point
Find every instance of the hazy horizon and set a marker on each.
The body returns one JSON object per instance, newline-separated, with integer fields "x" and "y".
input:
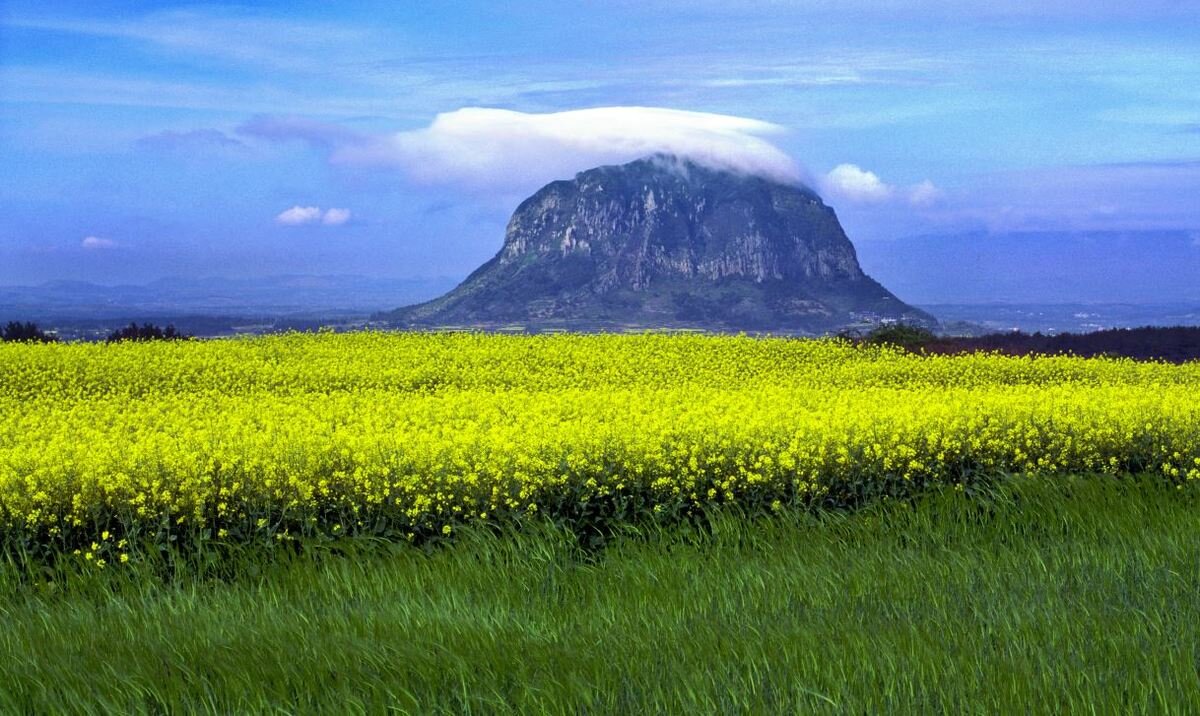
{"x": 1157, "y": 268}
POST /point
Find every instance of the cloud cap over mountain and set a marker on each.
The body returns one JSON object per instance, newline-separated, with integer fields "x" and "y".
{"x": 486, "y": 148}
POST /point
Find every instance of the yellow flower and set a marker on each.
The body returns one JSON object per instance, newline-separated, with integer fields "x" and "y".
{"x": 408, "y": 430}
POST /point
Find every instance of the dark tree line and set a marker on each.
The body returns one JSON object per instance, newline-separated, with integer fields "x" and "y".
{"x": 146, "y": 332}
{"x": 1176, "y": 344}
{"x": 26, "y": 332}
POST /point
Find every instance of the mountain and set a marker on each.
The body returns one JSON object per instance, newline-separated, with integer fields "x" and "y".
{"x": 667, "y": 242}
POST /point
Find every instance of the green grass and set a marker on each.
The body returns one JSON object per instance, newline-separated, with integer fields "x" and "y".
{"x": 1076, "y": 595}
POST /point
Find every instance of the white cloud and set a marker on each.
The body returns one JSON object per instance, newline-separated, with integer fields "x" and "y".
{"x": 924, "y": 194}
{"x": 299, "y": 215}
{"x": 487, "y": 148}
{"x": 95, "y": 243}
{"x": 852, "y": 183}
{"x": 302, "y": 215}
{"x": 336, "y": 217}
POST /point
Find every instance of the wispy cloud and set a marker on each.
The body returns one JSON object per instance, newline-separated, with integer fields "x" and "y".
{"x": 330, "y": 68}
{"x": 1184, "y": 118}
{"x": 1142, "y": 195}
{"x": 925, "y": 193}
{"x": 298, "y": 216}
{"x": 56, "y": 86}
{"x": 929, "y": 10}
{"x": 335, "y": 217}
{"x": 202, "y": 139}
{"x": 325, "y": 135}
{"x": 857, "y": 185}
{"x": 305, "y": 215}
{"x": 229, "y": 35}
{"x": 830, "y": 68}
{"x": 95, "y": 243}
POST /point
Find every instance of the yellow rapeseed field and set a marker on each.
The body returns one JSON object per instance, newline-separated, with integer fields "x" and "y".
{"x": 292, "y": 436}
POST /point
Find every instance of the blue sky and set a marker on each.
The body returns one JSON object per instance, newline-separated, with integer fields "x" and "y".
{"x": 145, "y": 139}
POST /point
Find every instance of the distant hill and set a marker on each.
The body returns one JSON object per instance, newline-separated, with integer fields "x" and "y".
{"x": 1051, "y": 318}
{"x": 271, "y": 295}
{"x": 666, "y": 242}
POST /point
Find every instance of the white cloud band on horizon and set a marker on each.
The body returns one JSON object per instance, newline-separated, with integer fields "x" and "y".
{"x": 486, "y": 148}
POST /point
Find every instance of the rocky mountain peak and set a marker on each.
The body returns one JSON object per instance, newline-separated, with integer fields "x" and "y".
{"x": 667, "y": 241}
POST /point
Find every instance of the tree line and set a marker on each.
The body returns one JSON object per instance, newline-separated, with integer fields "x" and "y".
{"x": 29, "y": 332}
{"x": 1175, "y": 344}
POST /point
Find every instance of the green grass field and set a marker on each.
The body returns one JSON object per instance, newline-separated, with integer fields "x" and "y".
{"x": 1049, "y": 596}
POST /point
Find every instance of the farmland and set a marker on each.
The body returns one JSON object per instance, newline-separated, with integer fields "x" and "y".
{"x": 108, "y": 450}
{"x": 457, "y": 522}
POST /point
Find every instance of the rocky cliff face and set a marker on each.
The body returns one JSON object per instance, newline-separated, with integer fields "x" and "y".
{"x": 666, "y": 242}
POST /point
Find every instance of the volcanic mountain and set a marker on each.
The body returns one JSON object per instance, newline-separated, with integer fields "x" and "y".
{"x": 667, "y": 242}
